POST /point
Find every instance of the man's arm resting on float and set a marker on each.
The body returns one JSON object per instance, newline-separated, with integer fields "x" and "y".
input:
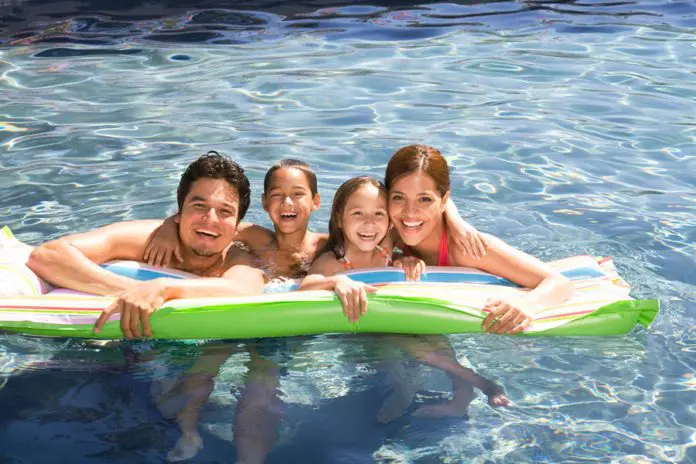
{"x": 139, "y": 301}
{"x": 73, "y": 261}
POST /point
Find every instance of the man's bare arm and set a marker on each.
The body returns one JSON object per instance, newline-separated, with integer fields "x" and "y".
{"x": 138, "y": 302}
{"x": 73, "y": 261}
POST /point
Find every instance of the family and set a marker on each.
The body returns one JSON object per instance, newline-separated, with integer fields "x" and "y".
{"x": 408, "y": 221}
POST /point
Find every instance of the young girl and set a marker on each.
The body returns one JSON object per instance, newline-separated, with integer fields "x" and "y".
{"x": 359, "y": 237}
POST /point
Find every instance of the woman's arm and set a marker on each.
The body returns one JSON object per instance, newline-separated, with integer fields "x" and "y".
{"x": 547, "y": 286}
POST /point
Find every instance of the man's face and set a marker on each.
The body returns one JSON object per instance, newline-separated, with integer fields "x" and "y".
{"x": 208, "y": 217}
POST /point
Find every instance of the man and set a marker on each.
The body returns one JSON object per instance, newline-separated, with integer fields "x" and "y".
{"x": 213, "y": 196}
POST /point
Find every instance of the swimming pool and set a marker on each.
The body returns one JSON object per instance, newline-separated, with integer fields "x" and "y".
{"x": 570, "y": 127}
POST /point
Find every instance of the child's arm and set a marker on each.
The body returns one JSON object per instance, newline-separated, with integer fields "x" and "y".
{"x": 352, "y": 294}
{"x": 163, "y": 244}
{"x": 465, "y": 236}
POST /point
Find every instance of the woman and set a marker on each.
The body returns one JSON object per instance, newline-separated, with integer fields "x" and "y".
{"x": 418, "y": 184}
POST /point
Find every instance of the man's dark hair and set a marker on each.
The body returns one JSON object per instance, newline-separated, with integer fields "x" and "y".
{"x": 213, "y": 165}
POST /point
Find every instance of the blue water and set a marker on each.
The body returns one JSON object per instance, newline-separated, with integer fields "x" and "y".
{"x": 570, "y": 127}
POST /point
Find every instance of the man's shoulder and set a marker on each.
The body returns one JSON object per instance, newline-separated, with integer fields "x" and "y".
{"x": 257, "y": 237}
{"x": 240, "y": 256}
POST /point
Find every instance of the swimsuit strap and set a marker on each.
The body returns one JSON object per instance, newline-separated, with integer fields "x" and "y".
{"x": 386, "y": 254}
{"x": 443, "y": 253}
{"x": 347, "y": 265}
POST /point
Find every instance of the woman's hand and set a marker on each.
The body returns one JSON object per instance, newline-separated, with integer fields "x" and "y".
{"x": 413, "y": 267}
{"x": 163, "y": 245}
{"x": 507, "y": 316}
{"x": 353, "y": 296}
{"x": 135, "y": 305}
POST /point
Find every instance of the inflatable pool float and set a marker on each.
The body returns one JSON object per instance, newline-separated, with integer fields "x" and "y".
{"x": 445, "y": 301}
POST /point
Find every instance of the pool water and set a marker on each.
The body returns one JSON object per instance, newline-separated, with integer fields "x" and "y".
{"x": 570, "y": 127}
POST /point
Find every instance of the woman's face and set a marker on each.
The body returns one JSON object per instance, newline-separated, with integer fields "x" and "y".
{"x": 415, "y": 207}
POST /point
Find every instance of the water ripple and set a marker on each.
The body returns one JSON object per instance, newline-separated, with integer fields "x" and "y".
{"x": 569, "y": 127}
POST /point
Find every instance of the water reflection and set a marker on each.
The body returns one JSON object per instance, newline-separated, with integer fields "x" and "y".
{"x": 117, "y": 403}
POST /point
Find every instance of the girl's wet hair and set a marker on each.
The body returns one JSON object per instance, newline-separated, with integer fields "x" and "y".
{"x": 336, "y": 242}
{"x": 292, "y": 164}
{"x": 415, "y": 158}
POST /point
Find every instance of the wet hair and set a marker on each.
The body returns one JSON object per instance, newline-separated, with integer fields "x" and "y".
{"x": 292, "y": 164}
{"x": 336, "y": 242}
{"x": 415, "y": 158}
{"x": 213, "y": 165}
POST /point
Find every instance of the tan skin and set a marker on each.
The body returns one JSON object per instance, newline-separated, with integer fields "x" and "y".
{"x": 208, "y": 223}
{"x": 416, "y": 209}
{"x": 289, "y": 203}
{"x": 365, "y": 225}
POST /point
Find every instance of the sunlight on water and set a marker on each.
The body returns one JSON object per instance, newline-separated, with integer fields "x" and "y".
{"x": 570, "y": 129}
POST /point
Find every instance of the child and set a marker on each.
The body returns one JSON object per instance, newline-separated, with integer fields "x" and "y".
{"x": 359, "y": 238}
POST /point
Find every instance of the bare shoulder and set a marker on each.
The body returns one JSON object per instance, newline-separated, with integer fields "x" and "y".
{"x": 257, "y": 237}
{"x": 318, "y": 242}
{"x": 326, "y": 264}
{"x": 237, "y": 256}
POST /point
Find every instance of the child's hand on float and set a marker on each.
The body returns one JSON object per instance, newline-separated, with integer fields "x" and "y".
{"x": 353, "y": 297}
{"x": 413, "y": 267}
{"x": 163, "y": 245}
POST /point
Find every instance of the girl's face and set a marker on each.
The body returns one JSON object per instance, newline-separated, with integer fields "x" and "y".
{"x": 416, "y": 207}
{"x": 365, "y": 221}
{"x": 289, "y": 201}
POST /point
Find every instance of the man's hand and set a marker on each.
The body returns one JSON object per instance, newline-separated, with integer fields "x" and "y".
{"x": 135, "y": 305}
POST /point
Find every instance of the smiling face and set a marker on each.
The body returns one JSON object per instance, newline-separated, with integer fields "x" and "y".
{"x": 208, "y": 216}
{"x": 416, "y": 207}
{"x": 288, "y": 200}
{"x": 364, "y": 221}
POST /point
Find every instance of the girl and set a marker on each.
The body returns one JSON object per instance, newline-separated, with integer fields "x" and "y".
{"x": 359, "y": 238}
{"x": 418, "y": 183}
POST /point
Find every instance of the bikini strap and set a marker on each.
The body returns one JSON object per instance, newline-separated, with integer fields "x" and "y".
{"x": 443, "y": 253}
{"x": 386, "y": 254}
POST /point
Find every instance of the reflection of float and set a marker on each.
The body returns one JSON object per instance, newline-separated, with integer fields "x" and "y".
{"x": 448, "y": 300}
